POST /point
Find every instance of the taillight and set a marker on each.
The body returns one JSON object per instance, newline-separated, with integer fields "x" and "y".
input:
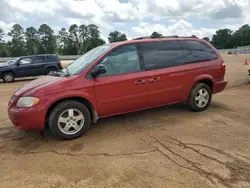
{"x": 223, "y": 66}
{"x": 60, "y": 63}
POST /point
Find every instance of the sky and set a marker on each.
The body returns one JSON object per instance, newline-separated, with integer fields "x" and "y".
{"x": 135, "y": 18}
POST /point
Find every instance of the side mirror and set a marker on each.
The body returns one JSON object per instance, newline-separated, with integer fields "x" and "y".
{"x": 99, "y": 69}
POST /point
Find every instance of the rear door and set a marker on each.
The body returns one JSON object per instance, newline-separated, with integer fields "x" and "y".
{"x": 164, "y": 63}
{"x": 39, "y": 65}
{"x": 123, "y": 87}
{"x": 200, "y": 60}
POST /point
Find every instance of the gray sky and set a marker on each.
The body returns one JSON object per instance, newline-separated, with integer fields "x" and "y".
{"x": 134, "y": 17}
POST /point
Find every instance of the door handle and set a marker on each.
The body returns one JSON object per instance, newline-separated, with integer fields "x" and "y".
{"x": 155, "y": 79}
{"x": 137, "y": 82}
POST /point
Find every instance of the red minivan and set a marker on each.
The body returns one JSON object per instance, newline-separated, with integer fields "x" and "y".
{"x": 119, "y": 78}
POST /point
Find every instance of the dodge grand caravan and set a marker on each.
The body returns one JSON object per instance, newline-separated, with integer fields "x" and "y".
{"x": 119, "y": 78}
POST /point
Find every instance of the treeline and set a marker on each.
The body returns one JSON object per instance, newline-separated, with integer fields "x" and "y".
{"x": 74, "y": 41}
{"x": 79, "y": 39}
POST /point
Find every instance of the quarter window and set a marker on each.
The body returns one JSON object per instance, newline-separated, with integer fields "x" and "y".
{"x": 122, "y": 60}
{"x": 157, "y": 55}
{"x": 51, "y": 58}
{"x": 195, "y": 51}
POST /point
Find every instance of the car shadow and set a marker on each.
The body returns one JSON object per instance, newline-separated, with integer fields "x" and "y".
{"x": 19, "y": 142}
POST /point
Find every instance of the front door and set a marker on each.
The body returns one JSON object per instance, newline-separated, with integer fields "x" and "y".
{"x": 24, "y": 67}
{"x": 123, "y": 87}
{"x": 164, "y": 63}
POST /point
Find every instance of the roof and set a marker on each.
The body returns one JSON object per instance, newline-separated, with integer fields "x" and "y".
{"x": 149, "y": 39}
{"x": 37, "y": 55}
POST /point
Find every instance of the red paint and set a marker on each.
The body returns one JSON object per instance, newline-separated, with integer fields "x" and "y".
{"x": 117, "y": 94}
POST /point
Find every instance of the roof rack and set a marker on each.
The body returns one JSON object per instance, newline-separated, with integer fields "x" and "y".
{"x": 174, "y": 36}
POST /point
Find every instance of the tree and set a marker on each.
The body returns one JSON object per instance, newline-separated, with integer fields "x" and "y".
{"x": 2, "y": 45}
{"x": 84, "y": 37}
{"x": 206, "y": 38}
{"x": 46, "y": 39}
{"x": 94, "y": 37}
{"x": 241, "y": 37}
{"x": 63, "y": 41}
{"x": 17, "y": 43}
{"x": 32, "y": 40}
{"x": 117, "y": 36}
{"x": 1, "y": 36}
{"x": 74, "y": 35}
{"x": 223, "y": 39}
{"x": 93, "y": 31}
{"x": 156, "y": 35}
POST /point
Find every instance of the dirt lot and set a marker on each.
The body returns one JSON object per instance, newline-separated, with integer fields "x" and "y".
{"x": 162, "y": 147}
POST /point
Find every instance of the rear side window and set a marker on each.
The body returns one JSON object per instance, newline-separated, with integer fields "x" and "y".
{"x": 39, "y": 59}
{"x": 195, "y": 51}
{"x": 157, "y": 55}
{"x": 51, "y": 58}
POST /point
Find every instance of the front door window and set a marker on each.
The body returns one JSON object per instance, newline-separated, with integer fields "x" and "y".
{"x": 123, "y": 60}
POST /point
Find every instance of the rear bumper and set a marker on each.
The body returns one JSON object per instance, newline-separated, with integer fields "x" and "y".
{"x": 27, "y": 118}
{"x": 219, "y": 86}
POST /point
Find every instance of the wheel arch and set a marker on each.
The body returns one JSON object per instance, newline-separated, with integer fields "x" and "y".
{"x": 87, "y": 103}
{"x": 206, "y": 79}
{"x": 47, "y": 67}
{"x": 208, "y": 82}
{"x": 6, "y": 71}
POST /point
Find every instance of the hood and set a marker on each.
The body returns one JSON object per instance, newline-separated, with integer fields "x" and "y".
{"x": 37, "y": 84}
{"x": 4, "y": 65}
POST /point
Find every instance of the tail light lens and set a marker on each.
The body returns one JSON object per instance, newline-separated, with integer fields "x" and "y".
{"x": 223, "y": 66}
{"x": 60, "y": 63}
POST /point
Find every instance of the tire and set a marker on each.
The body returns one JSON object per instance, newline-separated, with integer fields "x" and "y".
{"x": 49, "y": 70}
{"x": 194, "y": 102}
{"x": 64, "y": 128}
{"x": 8, "y": 77}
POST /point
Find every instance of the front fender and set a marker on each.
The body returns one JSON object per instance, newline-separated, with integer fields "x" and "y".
{"x": 71, "y": 94}
{"x": 6, "y": 69}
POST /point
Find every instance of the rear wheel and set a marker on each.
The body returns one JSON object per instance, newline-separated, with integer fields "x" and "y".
{"x": 8, "y": 77}
{"x": 50, "y": 71}
{"x": 200, "y": 97}
{"x": 69, "y": 120}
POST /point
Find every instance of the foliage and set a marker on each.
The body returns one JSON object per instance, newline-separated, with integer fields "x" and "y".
{"x": 206, "y": 38}
{"x": 156, "y": 35}
{"x": 32, "y": 39}
{"x": 79, "y": 39}
{"x": 117, "y": 36}
{"x": 17, "y": 46}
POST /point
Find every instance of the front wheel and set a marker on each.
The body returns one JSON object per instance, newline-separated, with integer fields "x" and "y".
{"x": 200, "y": 97}
{"x": 69, "y": 120}
{"x": 8, "y": 77}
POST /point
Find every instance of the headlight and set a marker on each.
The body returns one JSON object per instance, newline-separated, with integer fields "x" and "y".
{"x": 27, "y": 101}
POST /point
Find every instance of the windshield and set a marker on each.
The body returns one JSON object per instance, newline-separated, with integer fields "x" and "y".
{"x": 84, "y": 61}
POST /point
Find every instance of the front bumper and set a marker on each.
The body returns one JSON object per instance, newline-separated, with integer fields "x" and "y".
{"x": 27, "y": 118}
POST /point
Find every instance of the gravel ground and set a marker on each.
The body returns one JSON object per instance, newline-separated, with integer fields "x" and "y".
{"x": 161, "y": 147}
